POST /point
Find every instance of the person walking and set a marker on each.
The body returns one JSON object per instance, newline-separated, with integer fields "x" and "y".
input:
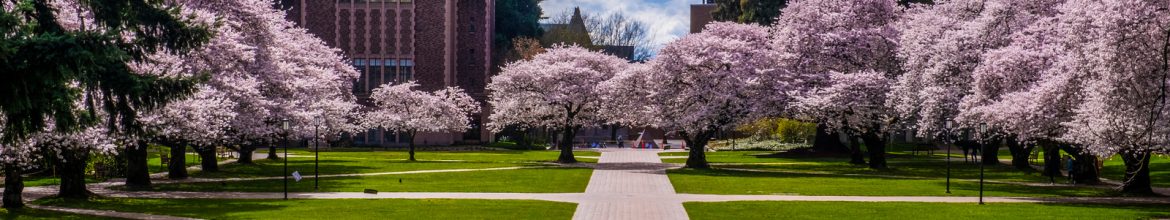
{"x": 1070, "y": 165}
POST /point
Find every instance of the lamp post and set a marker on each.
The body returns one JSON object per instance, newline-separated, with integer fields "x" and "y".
{"x": 284, "y": 126}
{"x": 982, "y": 150}
{"x": 317, "y": 154}
{"x": 947, "y": 142}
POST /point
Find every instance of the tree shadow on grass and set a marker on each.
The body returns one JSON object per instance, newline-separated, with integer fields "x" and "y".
{"x": 860, "y": 185}
{"x": 1150, "y": 211}
{"x": 338, "y": 166}
{"x": 200, "y": 208}
{"x": 908, "y": 168}
{"x": 29, "y": 213}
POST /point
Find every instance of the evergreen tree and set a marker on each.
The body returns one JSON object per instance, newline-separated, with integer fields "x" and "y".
{"x": 516, "y": 18}
{"x": 762, "y": 12}
{"x": 67, "y": 65}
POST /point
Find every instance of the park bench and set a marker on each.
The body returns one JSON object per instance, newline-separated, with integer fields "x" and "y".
{"x": 927, "y": 147}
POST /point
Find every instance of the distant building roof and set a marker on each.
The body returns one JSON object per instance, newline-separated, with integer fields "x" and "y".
{"x": 625, "y": 52}
{"x": 575, "y": 32}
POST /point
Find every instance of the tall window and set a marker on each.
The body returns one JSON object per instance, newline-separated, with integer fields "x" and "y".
{"x": 373, "y": 137}
{"x": 390, "y": 72}
{"x": 389, "y": 136}
{"x": 360, "y": 86}
{"x": 407, "y": 71}
{"x": 378, "y": 1}
{"x": 375, "y": 72}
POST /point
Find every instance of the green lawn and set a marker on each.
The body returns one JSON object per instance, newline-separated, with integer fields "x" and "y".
{"x": 154, "y": 158}
{"x": 910, "y": 210}
{"x": 332, "y": 208}
{"x": 739, "y": 182}
{"x": 1114, "y": 169}
{"x": 746, "y": 157}
{"x": 534, "y": 180}
{"x": 29, "y": 213}
{"x": 924, "y": 176}
{"x": 366, "y": 161}
{"x": 904, "y": 164}
{"x": 901, "y": 164}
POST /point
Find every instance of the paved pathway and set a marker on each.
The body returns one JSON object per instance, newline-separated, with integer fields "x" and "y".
{"x": 630, "y": 184}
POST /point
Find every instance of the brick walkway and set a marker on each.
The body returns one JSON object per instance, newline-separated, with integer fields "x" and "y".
{"x": 629, "y": 184}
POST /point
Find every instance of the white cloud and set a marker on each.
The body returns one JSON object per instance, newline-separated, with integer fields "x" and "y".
{"x": 668, "y": 19}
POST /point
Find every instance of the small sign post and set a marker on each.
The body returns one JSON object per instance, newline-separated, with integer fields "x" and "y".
{"x": 297, "y": 176}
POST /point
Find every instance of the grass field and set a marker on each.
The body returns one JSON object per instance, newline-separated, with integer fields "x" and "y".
{"x": 1159, "y": 170}
{"x": 534, "y": 180}
{"x": 908, "y": 175}
{"x": 764, "y": 183}
{"x": 154, "y": 158}
{"x": 917, "y": 211}
{"x": 900, "y": 164}
{"x": 365, "y": 161}
{"x": 29, "y": 213}
{"x": 332, "y": 208}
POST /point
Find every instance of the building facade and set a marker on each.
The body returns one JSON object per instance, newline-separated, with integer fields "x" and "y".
{"x": 701, "y": 15}
{"x": 437, "y": 43}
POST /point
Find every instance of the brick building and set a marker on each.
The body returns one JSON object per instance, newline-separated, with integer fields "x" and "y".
{"x": 701, "y": 15}
{"x": 437, "y": 43}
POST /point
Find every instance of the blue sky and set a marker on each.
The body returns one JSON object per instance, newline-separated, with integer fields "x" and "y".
{"x": 668, "y": 19}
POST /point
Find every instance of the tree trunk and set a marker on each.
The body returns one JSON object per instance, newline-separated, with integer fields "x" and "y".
{"x": 522, "y": 139}
{"x": 1051, "y": 159}
{"x": 855, "y": 155}
{"x": 177, "y": 167}
{"x": 72, "y": 167}
{"x": 1020, "y": 154}
{"x": 554, "y": 138}
{"x": 272, "y": 153}
{"x": 1137, "y": 172}
{"x": 411, "y": 144}
{"x": 566, "y": 145}
{"x": 827, "y": 141}
{"x": 876, "y": 145}
{"x": 1086, "y": 165}
{"x": 208, "y": 159}
{"x": 990, "y": 151}
{"x": 13, "y": 187}
{"x": 137, "y": 171}
{"x": 697, "y": 158}
{"x": 613, "y": 133}
{"x": 246, "y": 154}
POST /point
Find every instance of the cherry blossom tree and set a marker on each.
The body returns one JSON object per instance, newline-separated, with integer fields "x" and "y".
{"x": 251, "y": 75}
{"x": 70, "y": 154}
{"x": 556, "y": 89}
{"x": 1089, "y": 76}
{"x": 854, "y": 103}
{"x": 201, "y": 120}
{"x": 1120, "y": 52}
{"x": 703, "y": 83}
{"x": 819, "y": 40}
{"x": 942, "y": 45}
{"x": 404, "y": 109}
{"x": 274, "y": 71}
{"x": 15, "y": 159}
{"x": 1012, "y": 68}
{"x": 72, "y": 150}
